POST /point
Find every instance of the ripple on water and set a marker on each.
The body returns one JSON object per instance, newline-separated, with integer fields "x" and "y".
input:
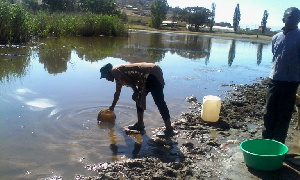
{"x": 60, "y": 139}
{"x": 75, "y": 129}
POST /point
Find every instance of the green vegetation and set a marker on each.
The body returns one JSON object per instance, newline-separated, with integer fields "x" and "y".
{"x": 14, "y": 23}
{"x": 159, "y": 11}
{"x": 87, "y": 24}
{"x": 195, "y": 17}
{"x": 212, "y": 16}
{"x": 20, "y": 21}
{"x": 264, "y": 21}
{"x": 236, "y": 17}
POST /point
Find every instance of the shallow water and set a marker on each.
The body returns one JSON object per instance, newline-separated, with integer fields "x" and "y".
{"x": 51, "y": 93}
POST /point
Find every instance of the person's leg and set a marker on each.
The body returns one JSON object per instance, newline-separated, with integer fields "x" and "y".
{"x": 270, "y": 111}
{"x": 140, "y": 115}
{"x": 286, "y": 102}
{"x": 156, "y": 89}
{"x": 140, "y": 124}
{"x": 168, "y": 125}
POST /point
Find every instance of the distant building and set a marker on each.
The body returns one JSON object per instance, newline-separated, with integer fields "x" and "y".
{"x": 223, "y": 24}
{"x": 223, "y": 28}
{"x": 169, "y": 23}
{"x": 266, "y": 30}
{"x": 128, "y": 7}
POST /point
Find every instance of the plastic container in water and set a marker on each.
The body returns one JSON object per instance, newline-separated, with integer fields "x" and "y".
{"x": 106, "y": 115}
{"x": 211, "y": 108}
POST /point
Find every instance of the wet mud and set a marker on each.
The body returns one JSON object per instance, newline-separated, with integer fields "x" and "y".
{"x": 202, "y": 150}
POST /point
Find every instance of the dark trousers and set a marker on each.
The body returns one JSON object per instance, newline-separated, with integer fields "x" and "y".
{"x": 280, "y": 102}
{"x": 153, "y": 85}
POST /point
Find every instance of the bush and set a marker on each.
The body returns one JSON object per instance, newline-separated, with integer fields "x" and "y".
{"x": 58, "y": 24}
{"x": 95, "y": 25}
{"x": 15, "y": 23}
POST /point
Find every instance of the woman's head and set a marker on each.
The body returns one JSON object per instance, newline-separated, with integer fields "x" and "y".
{"x": 105, "y": 70}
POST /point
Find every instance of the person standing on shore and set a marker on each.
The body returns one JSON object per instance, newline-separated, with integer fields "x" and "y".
{"x": 284, "y": 78}
{"x": 142, "y": 78}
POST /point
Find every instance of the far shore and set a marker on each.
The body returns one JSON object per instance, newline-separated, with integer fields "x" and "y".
{"x": 255, "y": 38}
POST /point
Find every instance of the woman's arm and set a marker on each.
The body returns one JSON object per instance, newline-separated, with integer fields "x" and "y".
{"x": 116, "y": 95}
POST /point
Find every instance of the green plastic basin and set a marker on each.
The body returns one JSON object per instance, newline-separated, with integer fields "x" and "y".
{"x": 263, "y": 154}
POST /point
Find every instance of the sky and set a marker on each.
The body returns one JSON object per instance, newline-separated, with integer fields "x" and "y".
{"x": 251, "y": 10}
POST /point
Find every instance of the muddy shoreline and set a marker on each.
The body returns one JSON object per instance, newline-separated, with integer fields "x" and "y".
{"x": 202, "y": 150}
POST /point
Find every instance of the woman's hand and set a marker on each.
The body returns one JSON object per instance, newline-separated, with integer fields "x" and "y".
{"x": 111, "y": 108}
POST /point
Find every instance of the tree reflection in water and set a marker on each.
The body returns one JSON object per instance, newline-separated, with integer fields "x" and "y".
{"x": 14, "y": 61}
{"x": 259, "y": 53}
{"x": 55, "y": 54}
{"x": 231, "y": 54}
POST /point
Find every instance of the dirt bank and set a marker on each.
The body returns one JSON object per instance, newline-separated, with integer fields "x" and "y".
{"x": 202, "y": 150}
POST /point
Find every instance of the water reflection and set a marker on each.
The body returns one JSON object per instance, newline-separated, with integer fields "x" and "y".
{"x": 231, "y": 54}
{"x": 209, "y": 43}
{"x": 156, "y": 48}
{"x": 55, "y": 54}
{"x": 14, "y": 61}
{"x": 194, "y": 47}
{"x": 97, "y": 48}
{"x": 259, "y": 53}
{"x": 114, "y": 147}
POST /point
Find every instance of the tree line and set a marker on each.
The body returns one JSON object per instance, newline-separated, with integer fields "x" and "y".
{"x": 94, "y": 6}
{"x": 197, "y": 16}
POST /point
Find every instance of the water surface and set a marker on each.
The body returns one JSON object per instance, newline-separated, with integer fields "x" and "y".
{"x": 51, "y": 93}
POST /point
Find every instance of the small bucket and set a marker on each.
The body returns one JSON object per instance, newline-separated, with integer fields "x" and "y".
{"x": 211, "y": 108}
{"x": 264, "y": 154}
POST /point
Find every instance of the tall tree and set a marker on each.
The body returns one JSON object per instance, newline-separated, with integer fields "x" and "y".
{"x": 196, "y": 16}
{"x": 212, "y": 16}
{"x": 236, "y": 17}
{"x": 159, "y": 11}
{"x": 264, "y": 22}
{"x": 199, "y": 17}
